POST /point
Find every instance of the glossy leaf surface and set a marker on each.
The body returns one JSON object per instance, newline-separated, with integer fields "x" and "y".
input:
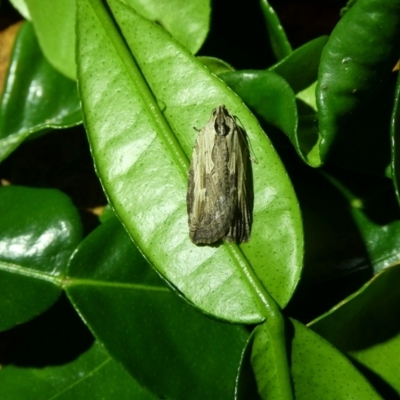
{"x": 164, "y": 344}
{"x": 395, "y": 136}
{"x": 187, "y": 21}
{"x": 365, "y": 321}
{"x": 54, "y": 23}
{"x": 355, "y": 85}
{"x": 141, "y": 148}
{"x": 277, "y": 36}
{"x": 319, "y": 371}
{"x": 36, "y": 97}
{"x": 382, "y": 240}
{"x": 271, "y": 97}
{"x": 370, "y": 319}
{"x": 380, "y": 234}
{"x": 379, "y": 363}
{"x": 268, "y": 95}
{"x": 300, "y": 68}
{"x": 40, "y": 228}
{"x": 94, "y": 375}
{"x": 215, "y": 65}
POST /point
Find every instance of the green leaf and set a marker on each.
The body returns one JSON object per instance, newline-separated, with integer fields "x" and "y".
{"x": 381, "y": 239}
{"x": 379, "y": 363}
{"x": 271, "y": 97}
{"x": 54, "y": 23}
{"x": 106, "y": 214}
{"x": 94, "y": 375}
{"x": 319, "y": 371}
{"x": 268, "y": 95}
{"x": 368, "y": 316}
{"x": 395, "y": 136}
{"x": 40, "y": 228}
{"x": 355, "y": 86}
{"x": 36, "y": 97}
{"x": 187, "y": 21}
{"x": 152, "y": 141}
{"x": 277, "y": 36}
{"x": 347, "y": 7}
{"x": 370, "y": 319}
{"x": 307, "y": 96}
{"x": 246, "y": 385}
{"x": 300, "y": 68}
{"x": 22, "y": 8}
{"x": 161, "y": 341}
{"x": 336, "y": 262}
{"x": 215, "y": 65}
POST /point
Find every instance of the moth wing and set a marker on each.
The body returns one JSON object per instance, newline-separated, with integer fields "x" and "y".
{"x": 210, "y": 194}
{"x": 241, "y": 178}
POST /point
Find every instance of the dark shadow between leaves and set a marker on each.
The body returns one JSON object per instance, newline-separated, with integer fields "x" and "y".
{"x": 381, "y": 386}
{"x": 336, "y": 261}
{"x": 246, "y": 381}
{"x": 379, "y": 202}
{"x": 307, "y": 130}
{"x": 362, "y": 134}
{"x": 289, "y": 337}
{"x": 56, "y": 337}
{"x": 239, "y": 46}
{"x": 60, "y": 160}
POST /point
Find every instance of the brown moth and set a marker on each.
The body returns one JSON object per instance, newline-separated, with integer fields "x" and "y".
{"x": 220, "y": 192}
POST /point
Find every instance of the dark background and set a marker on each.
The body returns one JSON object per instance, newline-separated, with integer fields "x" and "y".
{"x": 238, "y": 33}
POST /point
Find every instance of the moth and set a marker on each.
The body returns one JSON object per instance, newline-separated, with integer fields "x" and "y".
{"x": 220, "y": 190}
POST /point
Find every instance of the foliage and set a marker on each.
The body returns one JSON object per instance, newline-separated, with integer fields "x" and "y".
{"x": 307, "y": 309}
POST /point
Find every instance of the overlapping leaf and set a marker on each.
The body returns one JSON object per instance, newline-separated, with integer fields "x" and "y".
{"x": 381, "y": 239}
{"x": 187, "y": 21}
{"x": 36, "y": 241}
{"x": 369, "y": 319}
{"x": 93, "y": 375}
{"x": 276, "y": 34}
{"x": 141, "y": 141}
{"x": 54, "y": 23}
{"x": 36, "y": 97}
{"x": 300, "y": 68}
{"x": 319, "y": 371}
{"x": 356, "y": 84}
{"x": 271, "y": 94}
{"x": 395, "y": 136}
{"x": 164, "y": 344}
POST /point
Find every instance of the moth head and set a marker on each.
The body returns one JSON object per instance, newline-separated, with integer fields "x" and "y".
{"x": 221, "y": 120}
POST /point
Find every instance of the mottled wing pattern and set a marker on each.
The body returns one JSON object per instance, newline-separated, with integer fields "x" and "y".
{"x": 240, "y": 173}
{"x": 217, "y": 197}
{"x": 211, "y": 205}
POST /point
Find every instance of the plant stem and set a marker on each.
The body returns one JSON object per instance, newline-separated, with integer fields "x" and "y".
{"x": 275, "y": 324}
